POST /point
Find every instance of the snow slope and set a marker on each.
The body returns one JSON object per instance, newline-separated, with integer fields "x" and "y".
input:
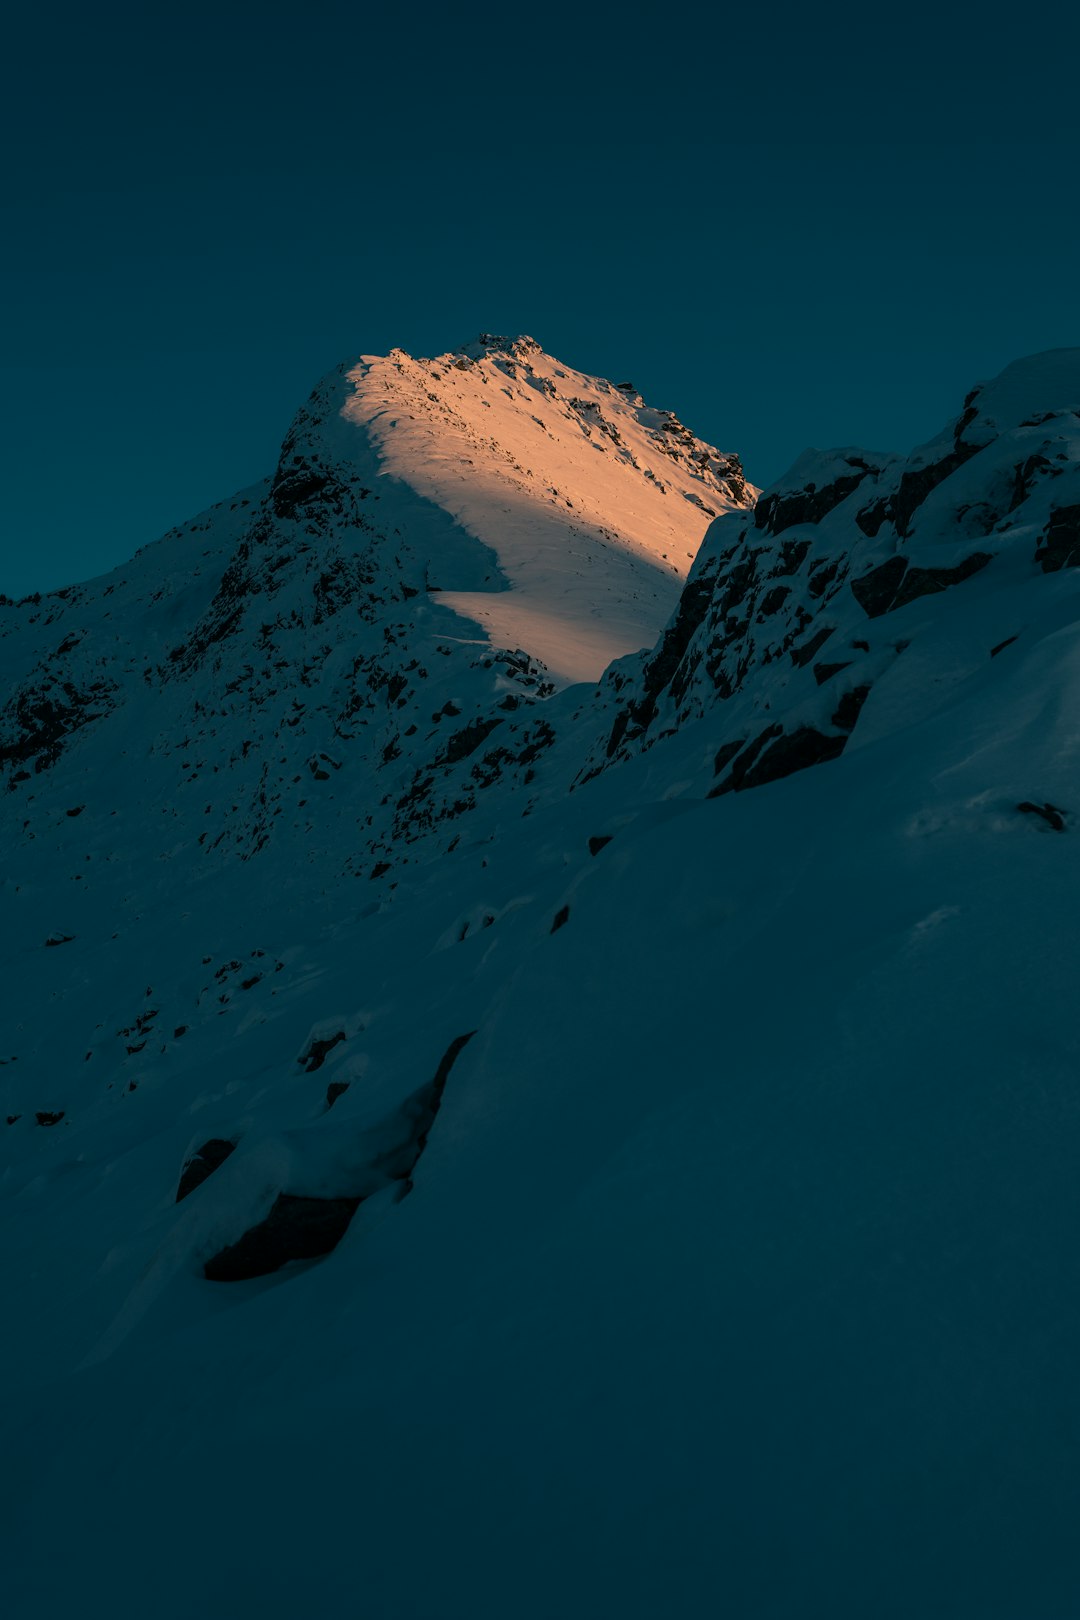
{"x": 306, "y": 643}
{"x": 592, "y": 502}
{"x": 728, "y": 1265}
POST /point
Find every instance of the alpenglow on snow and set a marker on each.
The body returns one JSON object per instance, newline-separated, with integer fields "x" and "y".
{"x": 538, "y": 1053}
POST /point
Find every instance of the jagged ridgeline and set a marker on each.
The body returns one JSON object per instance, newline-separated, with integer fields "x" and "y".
{"x": 538, "y": 1022}
{"x": 321, "y": 624}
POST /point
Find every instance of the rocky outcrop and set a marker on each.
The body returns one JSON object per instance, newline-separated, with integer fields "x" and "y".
{"x": 1053, "y": 817}
{"x": 36, "y": 723}
{"x": 304, "y": 1227}
{"x": 769, "y": 646}
{"x": 1059, "y": 546}
{"x": 295, "y": 1229}
{"x": 202, "y": 1164}
{"x": 787, "y": 509}
{"x": 895, "y": 583}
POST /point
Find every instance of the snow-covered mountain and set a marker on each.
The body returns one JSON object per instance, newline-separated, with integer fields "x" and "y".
{"x": 592, "y": 502}
{"x": 322, "y": 645}
{"x": 793, "y": 616}
{"x": 480, "y": 1145}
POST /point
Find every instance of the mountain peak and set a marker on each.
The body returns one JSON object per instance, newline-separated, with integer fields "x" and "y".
{"x": 444, "y": 542}
{"x": 491, "y": 343}
{"x": 394, "y": 1044}
{"x": 592, "y": 503}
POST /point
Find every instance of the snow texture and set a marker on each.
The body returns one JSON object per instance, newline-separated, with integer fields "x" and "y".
{"x": 649, "y": 1097}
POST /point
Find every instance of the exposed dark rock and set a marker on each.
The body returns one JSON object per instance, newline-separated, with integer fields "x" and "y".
{"x": 793, "y": 554}
{"x": 342, "y": 581}
{"x": 295, "y": 1229}
{"x": 793, "y": 752}
{"x": 618, "y": 731}
{"x": 741, "y": 766}
{"x": 467, "y": 740}
{"x": 1059, "y": 547}
{"x": 59, "y": 939}
{"x": 749, "y": 755}
{"x": 598, "y": 842}
{"x": 427, "y": 1102}
{"x": 926, "y": 581}
{"x": 724, "y": 756}
{"x": 416, "y": 1118}
{"x": 660, "y": 670}
{"x": 912, "y": 491}
{"x": 1002, "y": 645}
{"x": 1028, "y": 474}
{"x": 772, "y": 601}
{"x": 876, "y": 590}
{"x": 850, "y": 707}
{"x": 825, "y": 672}
{"x": 801, "y": 656}
{"x": 37, "y": 721}
{"x": 224, "y": 615}
{"x": 299, "y": 481}
{"x": 301, "y": 1228}
{"x": 203, "y": 1162}
{"x": 822, "y": 577}
{"x": 336, "y": 1089}
{"x": 315, "y": 1056}
{"x": 893, "y": 584}
{"x": 45, "y": 1116}
{"x": 776, "y": 513}
{"x": 442, "y": 1073}
{"x": 1049, "y": 812}
{"x": 561, "y": 918}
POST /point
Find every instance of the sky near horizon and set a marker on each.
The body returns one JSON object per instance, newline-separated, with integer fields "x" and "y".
{"x": 789, "y": 229}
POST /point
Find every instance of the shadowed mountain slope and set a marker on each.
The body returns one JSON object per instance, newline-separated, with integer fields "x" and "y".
{"x": 481, "y": 1149}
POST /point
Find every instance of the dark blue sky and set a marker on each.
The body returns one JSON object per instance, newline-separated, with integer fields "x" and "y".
{"x": 816, "y": 227}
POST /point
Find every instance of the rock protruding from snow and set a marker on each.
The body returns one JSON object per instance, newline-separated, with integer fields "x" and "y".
{"x": 798, "y": 1025}
{"x": 790, "y": 619}
{"x": 443, "y": 543}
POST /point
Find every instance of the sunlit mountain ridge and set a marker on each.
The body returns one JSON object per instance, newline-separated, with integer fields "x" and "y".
{"x": 538, "y": 1051}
